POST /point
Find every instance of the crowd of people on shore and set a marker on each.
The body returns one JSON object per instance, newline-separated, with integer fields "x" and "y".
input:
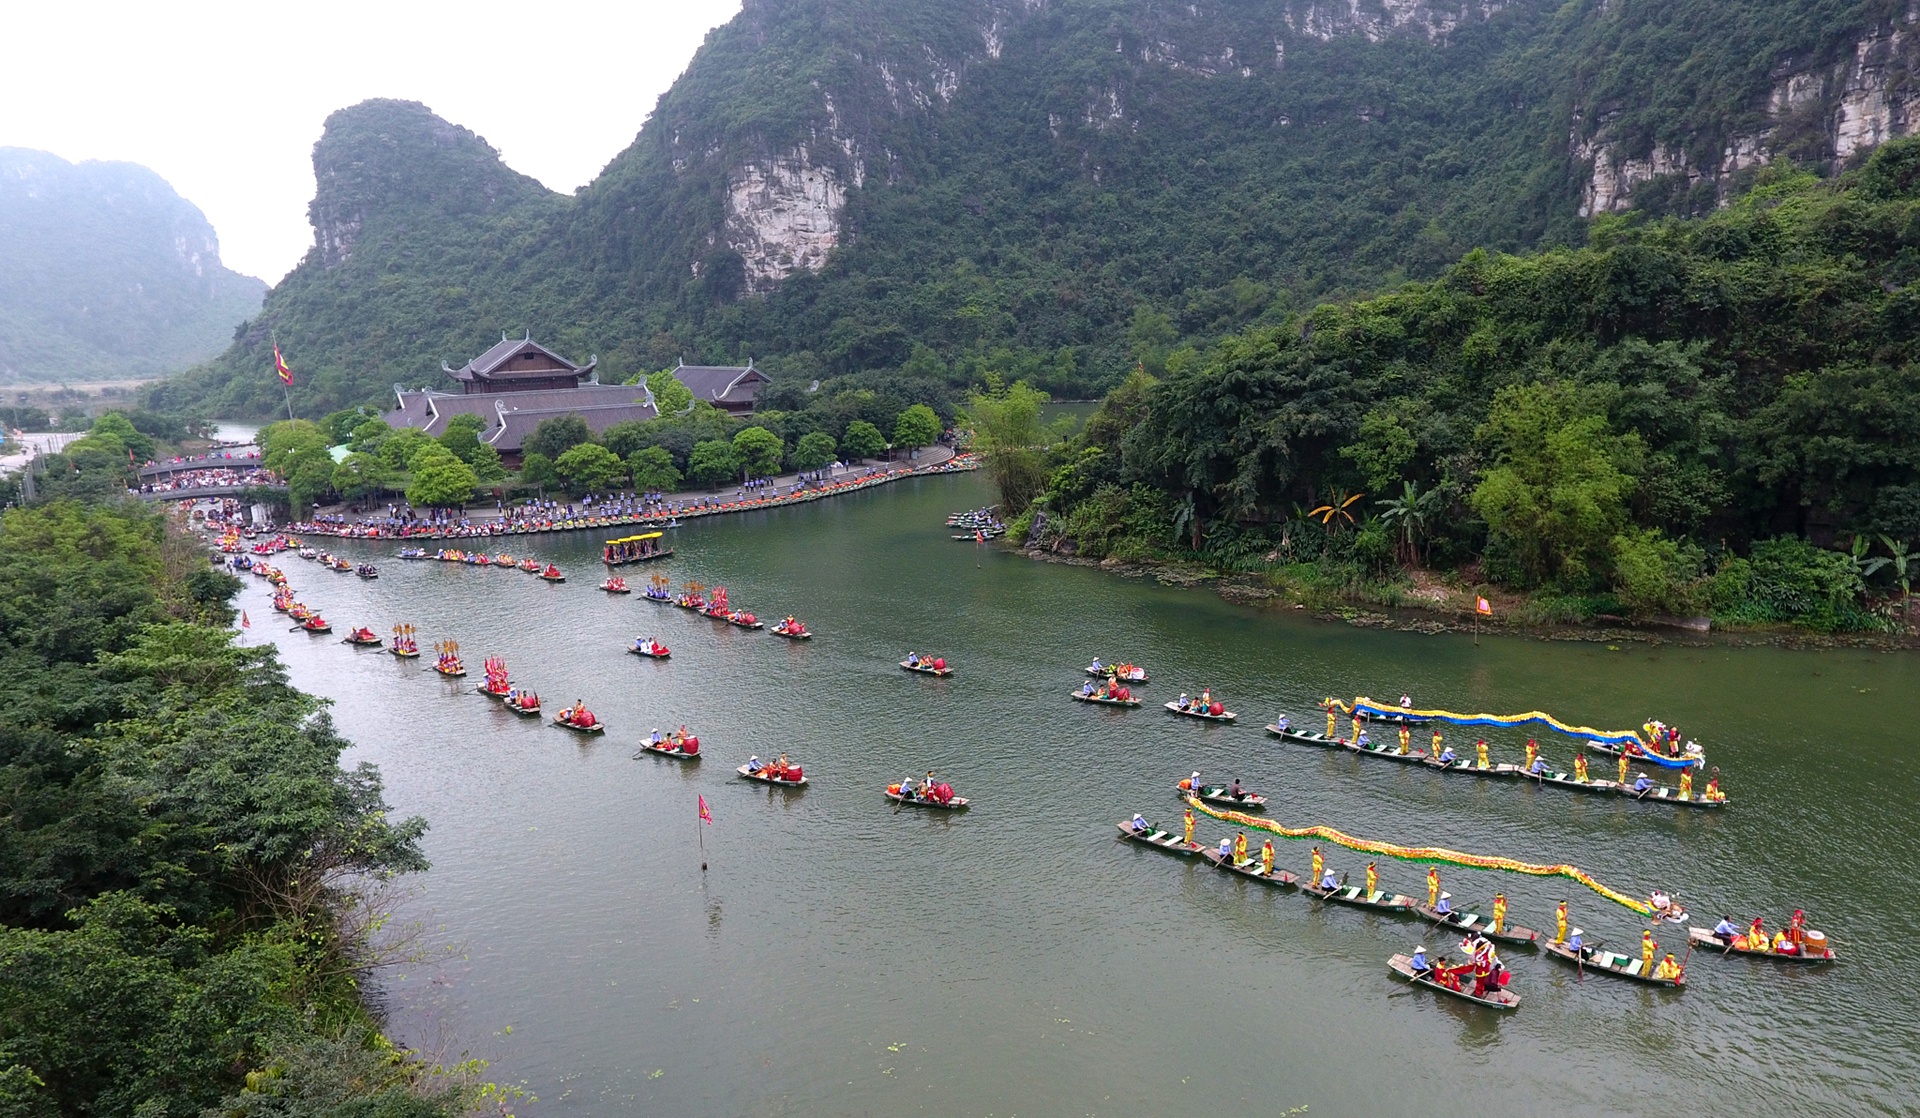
{"x": 210, "y": 478}
{"x": 251, "y": 454}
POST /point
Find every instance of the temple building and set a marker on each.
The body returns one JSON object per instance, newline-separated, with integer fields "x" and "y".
{"x": 518, "y": 383}
{"x": 512, "y": 388}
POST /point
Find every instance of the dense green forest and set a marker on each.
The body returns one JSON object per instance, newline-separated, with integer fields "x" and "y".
{"x": 190, "y": 884}
{"x": 1054, "y": 193}
{"x": 109, "y": 274}
{"x": 1712, "y": 414}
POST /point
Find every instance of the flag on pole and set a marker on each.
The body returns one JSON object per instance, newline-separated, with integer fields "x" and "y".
{"x": 244, "y": 623}
{"x": 281, "y": 367}
{"x": 1483, "y": 609}
{"x": 705, "y": 815}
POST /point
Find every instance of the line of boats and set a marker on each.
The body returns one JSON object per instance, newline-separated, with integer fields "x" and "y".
{"x": 547, "y": 571}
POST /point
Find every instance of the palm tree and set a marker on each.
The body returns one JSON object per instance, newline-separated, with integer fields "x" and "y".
{"x": 1410, "y": 510}
{"x": 1903, "y": 563}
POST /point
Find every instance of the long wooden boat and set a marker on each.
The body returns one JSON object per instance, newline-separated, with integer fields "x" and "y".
{"x": 1609, "y": 962}
{"x": 362, "y": 642}
{"x": 1478, "y": 924}
{"x": 1707, "y": 941}
{"x": 1223, "y": 716}
{"x": 1161, "y": 840}
{"x": 491, "y": 693}
{"x": 405, "y": 653}
{"x": 1659, "y": 793}
{"x": 958, "y": 803}
{"x": 1099, "y": 701}
{"x": 665, "y": 653}
{"x": 598, "y": 727}
{"x": 1638, "y": 754}
{"x": 1501, "y": 998}
{"x": 1139, "y": 676}
{"x": 529, "y": 709}
{"x": 925, "y": 668}
{"x": 763, "y": 778}
{"x": 1221, "y": 794}
{"x": 780, "y": 629}
{"x": 658, "y": 599}
{"x": 612, "y": 588}
{"x": 1354, "y": 895}
{"x": 450, "y": 673}
{"x": 1279, "y": 878}
{"x": 1305, "y": 737}
{"x": 668, "y": 749}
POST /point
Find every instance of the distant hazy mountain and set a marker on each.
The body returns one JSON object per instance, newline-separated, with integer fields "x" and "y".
{"x": 107, "y": 273}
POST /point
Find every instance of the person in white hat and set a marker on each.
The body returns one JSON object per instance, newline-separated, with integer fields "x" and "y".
{"x": 1445, "y": 907}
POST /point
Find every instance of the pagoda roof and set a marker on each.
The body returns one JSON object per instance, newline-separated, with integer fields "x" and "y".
{"x": 722, "y": 383}
{"x": 491, "y": 364}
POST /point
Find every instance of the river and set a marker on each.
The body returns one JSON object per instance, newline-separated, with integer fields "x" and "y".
{"x": 840, "y": 956}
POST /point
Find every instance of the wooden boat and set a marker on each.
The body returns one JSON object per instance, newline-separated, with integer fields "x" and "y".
{"x": 742, "y": 619}
{"x": 1354, "y": 895}
{"x": 663, "y": 652}
{"x": 1162, "y": 840}
{"x": 633, "y": 549}
{"x": 522, "y": 706}
{"x": 926, "y": 667}
{"x": 1608, "y": 962}
{"x": 668, "y": 749}
{"x": 1223, "y": 716}
{"x": 1305, "y": 737}
{"x": 661, "y": 599}
{"x": 1279, "y": 878}
{"x": 552, "y": 574}
{"x": 958, "y": 803}
{"x": 491, "y": 693}
{"x": 1501, "y": 998}
{"x": 1138, "y": 675}
{"x": 763, "y": 778}
{"x": 367, "y": 571}
{"x": 800, "y": 633}
{"x": 316, "y": 624}
{"x": 1101, "y": 700}
{"x": 1218, "y": 794}
{"x": 1707, "y": 941}
{"x": 414, "y": 553}
{"x": 453, "y": 671}
{"x": 598, "y": 727}
{"x": 1689, "y": 760}
{"x": 616, "y": 586}
{"x": 1478, "y": 924}
{"x": 367, "y": 640}
{"x": 531, "y": 566}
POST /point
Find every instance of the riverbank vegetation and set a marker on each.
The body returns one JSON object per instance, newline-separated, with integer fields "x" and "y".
{"x": 1710, "y": 416}
{"x": 191, "y": 887}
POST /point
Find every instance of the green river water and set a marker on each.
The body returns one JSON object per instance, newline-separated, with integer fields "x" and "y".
{"x": 840, "y": 956}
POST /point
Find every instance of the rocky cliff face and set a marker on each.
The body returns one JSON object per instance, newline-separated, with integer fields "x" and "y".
{"x": 1831, "y": 109}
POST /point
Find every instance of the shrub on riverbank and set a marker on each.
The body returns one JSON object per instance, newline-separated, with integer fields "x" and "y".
{"x": 190, "y": 885}
{"x": 1713, "y": 414}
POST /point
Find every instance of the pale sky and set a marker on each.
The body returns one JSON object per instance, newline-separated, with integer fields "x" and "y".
{"x": 225, "y": 99}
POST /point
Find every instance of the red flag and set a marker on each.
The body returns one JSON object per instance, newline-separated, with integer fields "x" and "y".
{"x": 1483, "y": 609}
{"x": 244, "y": 623}
{"x": 280, "y": 366}
{"x": 705, "y": 815}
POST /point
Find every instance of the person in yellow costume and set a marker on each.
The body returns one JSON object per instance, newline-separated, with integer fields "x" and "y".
{"x": 1647, "y": 949}
{"x": 1668, "y": 969}
{"x": 1240, "y": 848}
{"x": 1533, "y": 751}
{"x": 1358, "y": 728}
{"x": 1189, "y": 827}
{"x": 1436, "y": 744}
{"x": 1499, "y": 911}
{"x": 1373, "y": 879}
{"x": 1332, "y": 730}
{"x": 1623, "y": 768}
{"x": 1714, "y": 794}
{"x": 1686, "y": 784}
{"x": 1560, "y": 923}
{"x": 1480, "y": 750}
{"x": 1319, "y": 866}
{"x": 1405, "y": 738}
{"x": 1266, "y": 857}
{"x": 1433, "y": 886}
{"x": 1580, "y": 767}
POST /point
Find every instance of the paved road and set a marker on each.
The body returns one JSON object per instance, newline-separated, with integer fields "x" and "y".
{"x": 35, "y": 444}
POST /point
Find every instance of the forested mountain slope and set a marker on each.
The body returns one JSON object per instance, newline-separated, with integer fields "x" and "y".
{"x": 108, "y": 274}
{"x": 1053, "y": 190}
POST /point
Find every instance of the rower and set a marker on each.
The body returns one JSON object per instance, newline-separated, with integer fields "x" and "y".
{"x": 1281, "y": 724}
{"x": 1573, "y": 943}
{"x": 1327, "y": 882}
{"x": 1360, "y": 737}
{"x": 1193, "y": 784}
{"x": 913, "y": 659}
{"x": 1087, "y": 688}
{"x": 754, "y": 765}
{"x": 1444, "y": 906}
{"x": 1096, "y": 665}
{"x": 1236, "y": 792}
{"x": 1419, "y": 961}
{"x": 1669, "y": 969}
{"x": 1182, "y": 701}
{"x": 1499, "y": 911}
{"x": 1447, "y": 756}
{"x": 1641, "y": 784}
{"x": 1560, "y": 923}
{"x": 655, "y": 737}
{"x": 1538, "y": 767}
{"x": 1480, "y": 752}
{"x": 1433, "y": 885}
{"x": 1226, "y": 850}
{"x": 1139, "y": 823}
{"x": 1724, "y": 931}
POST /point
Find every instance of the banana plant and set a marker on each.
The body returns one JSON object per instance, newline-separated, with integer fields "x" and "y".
{"x": 1338, "y": 507}
{"x": 1903, "y": 563}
